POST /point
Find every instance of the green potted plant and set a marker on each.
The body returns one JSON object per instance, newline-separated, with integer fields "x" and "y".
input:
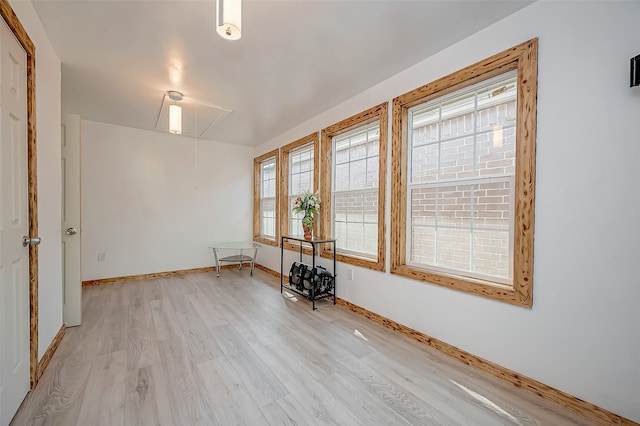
{"x": 309, "y": 203}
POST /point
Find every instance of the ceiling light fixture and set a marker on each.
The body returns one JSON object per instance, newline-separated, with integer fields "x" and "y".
{"x": 175, "y": 112}
{"x": 229, "y": 15}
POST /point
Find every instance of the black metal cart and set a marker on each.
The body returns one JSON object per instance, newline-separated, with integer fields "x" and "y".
{"x": 310, "y": 294}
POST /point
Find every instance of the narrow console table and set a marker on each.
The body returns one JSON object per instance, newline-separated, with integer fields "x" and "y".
{"x": 310, "y": 293}
{"x": 235, "y": 252}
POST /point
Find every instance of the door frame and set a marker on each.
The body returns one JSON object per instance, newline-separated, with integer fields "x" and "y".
{"x": 9, "y": 16}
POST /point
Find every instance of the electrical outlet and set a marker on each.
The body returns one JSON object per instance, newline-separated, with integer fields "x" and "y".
{"x": 350, "y": 273}
{"x": 102, "y": 257}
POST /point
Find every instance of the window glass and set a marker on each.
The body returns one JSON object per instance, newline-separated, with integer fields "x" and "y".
{"x": 266, "y": 181}
{"x": 301, "y": 174}
{"x": 355, "y": 190}
{"x": 461, "y": 172}
{"x": 268, "y": 198}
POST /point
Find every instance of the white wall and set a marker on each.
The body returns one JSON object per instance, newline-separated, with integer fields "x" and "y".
{"x": 49, "y": 180}
{"x": 155, "y": 202}
{"x": 582, "y": 335}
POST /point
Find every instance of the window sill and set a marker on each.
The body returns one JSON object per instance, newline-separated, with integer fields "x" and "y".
{"x": 501, "y": 292}
{"x": 266, "y": 241}
{"x": 356, "y": 261}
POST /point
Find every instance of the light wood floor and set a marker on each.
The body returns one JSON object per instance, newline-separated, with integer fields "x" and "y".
{"x": 201, "y": 350}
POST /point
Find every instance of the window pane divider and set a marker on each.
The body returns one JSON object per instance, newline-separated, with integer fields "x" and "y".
{"x": 463, "y": 181}
{"x": 355, "y": 191}
{"x": 454, "y": 227}
{"x": 449, "y": 139}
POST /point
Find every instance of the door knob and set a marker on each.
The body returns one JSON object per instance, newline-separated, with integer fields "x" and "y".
{"x": 30, "y": 241}
{"x": 71, "y": 231}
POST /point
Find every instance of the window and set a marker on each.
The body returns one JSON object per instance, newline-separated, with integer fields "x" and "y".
{"x": 463, "y": 178}
{"x": 265, "y": 198}
{"x": 299, "y": 173}
{"x": 353, "y": 187}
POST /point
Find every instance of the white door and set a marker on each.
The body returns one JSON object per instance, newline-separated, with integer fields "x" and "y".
{"x": 14, "y": 258}
{"x": 72, "y": 313}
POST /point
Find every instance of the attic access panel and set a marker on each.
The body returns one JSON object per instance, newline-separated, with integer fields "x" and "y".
{"x": 199, "y": 119}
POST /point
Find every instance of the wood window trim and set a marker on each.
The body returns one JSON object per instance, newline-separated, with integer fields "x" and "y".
{"x": 524, "y": 58}
{"x": 377, "y": 113}
{"x": 257, "y": 235}
{"x": 284, "y": 183}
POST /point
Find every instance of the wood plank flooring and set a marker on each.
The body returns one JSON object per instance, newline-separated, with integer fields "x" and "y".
{"x": 201, "y": 350}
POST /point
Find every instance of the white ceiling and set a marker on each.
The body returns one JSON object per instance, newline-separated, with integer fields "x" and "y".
{"x": 296, "y": 58}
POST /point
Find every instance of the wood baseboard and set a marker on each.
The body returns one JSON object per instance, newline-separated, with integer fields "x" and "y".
{"x": 267, "y": 270}
{"x": 588, "y": 410}
{"x": 91, "y": 283}
{"x": 101, "y": 281}
{"x": 51, "y": 350}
